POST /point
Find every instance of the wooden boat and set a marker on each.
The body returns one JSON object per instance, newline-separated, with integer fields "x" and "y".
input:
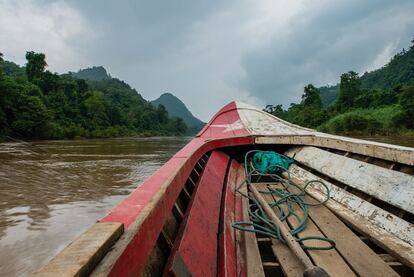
{"x": 179, "y": 221}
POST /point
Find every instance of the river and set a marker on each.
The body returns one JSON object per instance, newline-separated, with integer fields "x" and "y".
{"x": 51, "y": 191}
{"x": 403, "y": 141}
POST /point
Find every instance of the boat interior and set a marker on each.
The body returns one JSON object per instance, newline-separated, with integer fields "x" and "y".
{"x": 371, "y": 229}
{"x": 194, "y": 216}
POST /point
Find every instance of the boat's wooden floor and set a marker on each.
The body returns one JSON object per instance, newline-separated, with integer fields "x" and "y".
{"x": 352, "y": 256}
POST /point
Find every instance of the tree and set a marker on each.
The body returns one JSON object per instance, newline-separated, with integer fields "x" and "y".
{"x": 311, "y": 97}
{"x": 31, "y": 115}
{"x": 162, "y": 114}
{"x": 349, "y": 90}
{"x": 97, "y": 109}
{"x": 407, "y": 105}
{"x": 1, "y": 60}
{"x": 177, "y": 126}
{"x": 36, "y": 64}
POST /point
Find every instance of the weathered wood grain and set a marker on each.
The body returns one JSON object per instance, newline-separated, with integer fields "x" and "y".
{"x": 254, "y": 265}
{"x": 289, "y": 263}
{"x": 81, "y": 256}
{"x": 391, "y": 186}
{"x": 377, "y": 216}
{"x": 358, "y": 255}
{"x": 330, "y": 260}
{"x": 268, "y": 129}
{"x": 365, "y": 224}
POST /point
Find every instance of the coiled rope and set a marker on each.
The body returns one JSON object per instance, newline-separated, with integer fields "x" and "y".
{"x": 259, "y": 220}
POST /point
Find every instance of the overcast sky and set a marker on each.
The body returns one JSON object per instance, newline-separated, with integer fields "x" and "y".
{"x": 209, "y": 53}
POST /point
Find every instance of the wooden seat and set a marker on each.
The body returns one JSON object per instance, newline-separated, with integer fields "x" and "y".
{"x": 363, "y": 260}
{"x": 388, "y": 230}
{"x": 350, "y": 257}
{"x": 393, "y": 187}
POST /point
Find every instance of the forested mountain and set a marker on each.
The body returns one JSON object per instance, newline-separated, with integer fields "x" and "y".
{"x": 38, "y": 104}
{"x": 379, "y": 102}
{"x": 400, "y": 70}
{"x": 177, "y": 108}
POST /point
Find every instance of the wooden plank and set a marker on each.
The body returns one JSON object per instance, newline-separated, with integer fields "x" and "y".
{"x": 289, "y": 263}
{"x": 195, "y": 251}
{"x": 81, "y": 256}
{"x": 377, "y": 216}
{"x": 249, "y": 247}
{"x": 227, "y": 244}
{"x": 387, "y": 258}
{"x": 391, "y": 186}
{"x": 239, "y": 235}
{"x": 358, "y": 255}
{"x": 404, "y": 155}
{"x": 271, "y": 264}
{"x": 254, "y": 265}
{"x": 330, "y": 260}
{"x": 384, "y": 229}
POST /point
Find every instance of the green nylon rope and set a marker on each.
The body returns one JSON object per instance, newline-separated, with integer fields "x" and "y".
{"x": 260, "y": 221}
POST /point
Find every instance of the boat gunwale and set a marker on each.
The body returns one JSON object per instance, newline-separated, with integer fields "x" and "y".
{"x": 110, "y": 264}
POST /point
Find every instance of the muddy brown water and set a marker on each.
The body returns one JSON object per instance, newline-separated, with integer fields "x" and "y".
{"x": 52, "y": 191}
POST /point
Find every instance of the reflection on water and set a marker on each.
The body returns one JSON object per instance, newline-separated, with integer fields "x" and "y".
{"x": 51, "y": 191}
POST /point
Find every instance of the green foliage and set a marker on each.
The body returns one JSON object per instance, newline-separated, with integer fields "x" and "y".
{"x": 35, "y": 103}
{"x": 399, "y": 71}
{"x": 364, "y": 121}
{"x": 311, "y": 97}
{"x": 95, "y": 73}
{"x": 407, "y": 105}
{"x": 36, "y": 64}
{"x": 275, "y": 110}
{"x": 349, "y": 90}
{"x": 379, "y": 102}
{"x": 308, "y": 113}
{"x": 329, "y": 94}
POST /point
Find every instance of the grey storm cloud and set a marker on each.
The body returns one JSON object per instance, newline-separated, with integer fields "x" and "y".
{"x": 211, "y": 52}
{"x": 324, "y": 41}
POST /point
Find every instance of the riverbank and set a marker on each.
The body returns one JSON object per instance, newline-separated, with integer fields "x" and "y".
{"x": 120, "y": 136}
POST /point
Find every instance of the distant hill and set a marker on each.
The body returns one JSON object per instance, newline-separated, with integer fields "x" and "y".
{"x": 399, "y": 71}
{"x": 329, "y": 94}
{"x": 95, "y": 73}
{"x": 176, "y": 108}
{"x": 100, "y": 79}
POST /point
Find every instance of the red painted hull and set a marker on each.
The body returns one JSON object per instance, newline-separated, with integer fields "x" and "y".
{"x": 139, "y": 207}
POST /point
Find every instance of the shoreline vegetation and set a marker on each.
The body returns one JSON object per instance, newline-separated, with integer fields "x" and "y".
{"x": 36, "y": 104}
{"x": 378, "y": 103}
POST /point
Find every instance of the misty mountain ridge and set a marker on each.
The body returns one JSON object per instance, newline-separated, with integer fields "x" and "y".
{"x": 176, "y": 108}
